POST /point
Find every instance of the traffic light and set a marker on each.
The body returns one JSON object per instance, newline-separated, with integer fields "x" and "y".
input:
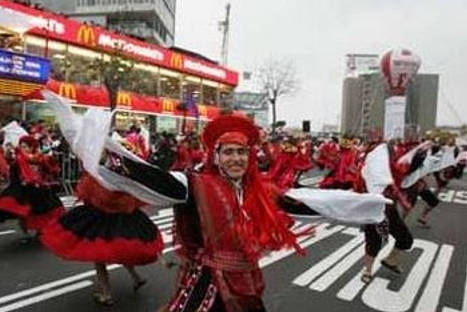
{"x": 306, "y": 126}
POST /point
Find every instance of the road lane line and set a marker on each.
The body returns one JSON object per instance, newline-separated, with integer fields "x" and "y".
{"x": 321, "y": 233}
{"x": 325, "y": 264}
{"x": 331, "y": 276}
{"x": 45, "y": 296}
{"x": 7, "y": 232}
{"x": 69, "y": 288}
{"x": 351, "y": 290}
{"x": 430, "y": 298}
{"x": 61, "y": 282}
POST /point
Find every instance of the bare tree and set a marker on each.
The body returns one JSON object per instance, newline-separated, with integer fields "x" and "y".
{"x": 277, "y": 78}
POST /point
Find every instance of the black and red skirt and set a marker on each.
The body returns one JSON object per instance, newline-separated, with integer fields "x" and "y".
{"x": 88, "y": 234}
{"x": 36, "y": 205}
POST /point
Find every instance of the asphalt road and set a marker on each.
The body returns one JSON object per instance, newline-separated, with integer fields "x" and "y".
{"x": 326, "y": 279}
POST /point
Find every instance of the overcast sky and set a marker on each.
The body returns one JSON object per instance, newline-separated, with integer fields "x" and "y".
{"x": 317, "y": 34}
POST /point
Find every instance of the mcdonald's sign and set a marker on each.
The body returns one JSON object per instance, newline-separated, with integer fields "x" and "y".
{"x": 124, "y": 99}
{"x": 168, "y": 105}
{"x": 67, "y": 90}
{"x": 176, "y": 60}
{"x": 86, "y": 35}
{"x": 203, "y": 110}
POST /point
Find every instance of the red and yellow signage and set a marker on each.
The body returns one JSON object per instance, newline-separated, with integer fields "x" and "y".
{"x": 176, "y": 60}
{"x": 86, "y": 35}
{"x": 168, "y": 105}
{"x": 98, "y": 96}
{"x": 203, "y": 111}
{"x": 67, "y": 90}
{"x": 60, "y": 28}
{"x": 123, "y": 99}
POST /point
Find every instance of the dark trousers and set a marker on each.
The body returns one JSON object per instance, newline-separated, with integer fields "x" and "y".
{"x": 397, "y": 228}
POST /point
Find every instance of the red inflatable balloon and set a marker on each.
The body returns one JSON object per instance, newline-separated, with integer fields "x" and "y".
{"x": 398, "y": 67}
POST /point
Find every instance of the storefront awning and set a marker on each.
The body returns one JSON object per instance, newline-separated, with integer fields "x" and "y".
{"x": 129, "y": 101}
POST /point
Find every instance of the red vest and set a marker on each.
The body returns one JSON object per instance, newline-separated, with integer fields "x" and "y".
{"x": 233, "y": 273}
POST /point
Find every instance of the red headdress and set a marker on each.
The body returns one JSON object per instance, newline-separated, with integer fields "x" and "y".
{"x": 30, "y": 141}
{"x": 266, "y": 227}
{"x": 23, "y": 159}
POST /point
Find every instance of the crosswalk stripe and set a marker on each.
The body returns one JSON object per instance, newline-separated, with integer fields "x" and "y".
{"x": 45, "y": 296}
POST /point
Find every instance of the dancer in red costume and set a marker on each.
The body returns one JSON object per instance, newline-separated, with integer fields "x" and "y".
{"x": 344, "y": 167}
{"x": 376, "y": 176}
{"x": 227, "y": 216}
{"x": 290, "y": 162}
{"x": 28, "y": 196}
{"x": 107, "y": 228}
{"x": 136, "y": 144}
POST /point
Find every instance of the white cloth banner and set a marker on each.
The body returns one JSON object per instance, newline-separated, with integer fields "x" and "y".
{"x": 394, "y": 117}
{"x": 87, "y": 136}
{"x": 408, "y": 157}
{"x": 13, "y": 132}
{"x": 432, "y": 163}
{"x": 345, "y": 206}
{"x": 376, "y": 171}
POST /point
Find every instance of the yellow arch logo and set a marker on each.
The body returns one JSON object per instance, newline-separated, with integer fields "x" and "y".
{"x": 168, "y": 105}
{"x": 203, "y": 110}
{"x": 176, "y": 60}
{"x": 67, "y": 90}
{"x": 124, "y": 99}
{"x": 86, "y": 35}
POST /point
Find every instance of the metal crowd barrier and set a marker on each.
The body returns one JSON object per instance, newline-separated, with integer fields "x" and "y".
{"x": 70, "y": 171}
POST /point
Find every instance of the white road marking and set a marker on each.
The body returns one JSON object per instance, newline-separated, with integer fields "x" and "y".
{"x": 45, "y": 287}
{"x": 337, "y": 271}
{"x": 432, "y": 293}
{"x": 45, "y": 296}
{"x": 379, "y": 297}
{"x": 51, "y": 289}
{"x": 351, "y": 290}
{"x": 7, "y": 232}
{"x": 321, "y": 233}
{"x": 316, "y": 270}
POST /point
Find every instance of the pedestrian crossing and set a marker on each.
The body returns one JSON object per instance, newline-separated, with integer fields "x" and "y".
{"x": 335, "y": 272}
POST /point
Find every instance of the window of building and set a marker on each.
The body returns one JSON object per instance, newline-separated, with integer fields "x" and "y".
{"x": 79, "y": 65}
{"x": 143, "y": 80}
{"x": 168, "y": 124}
{"x": 35, "y": 46}
{"x": 169, "y": 84}
{"x": 209, "y": 92}
{"x": 191, "y": 86}
{"x": 225, "y": 95}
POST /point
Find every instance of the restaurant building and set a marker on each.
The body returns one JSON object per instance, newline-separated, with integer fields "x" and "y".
{"x": 166, "y": 77}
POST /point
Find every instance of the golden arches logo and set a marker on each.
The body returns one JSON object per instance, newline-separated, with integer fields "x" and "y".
{"x": 176, "y": 60}
{"x": 67, "y": 90}
{"x": 168, "y": 105}
{"x": 203, "y": 110}
{"x": 86, "y": 35}
{"x": 124, "y": 99}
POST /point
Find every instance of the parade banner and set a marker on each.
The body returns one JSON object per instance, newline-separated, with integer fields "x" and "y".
{"x": 58, "y": 27}
{"x": 394, "y": 117}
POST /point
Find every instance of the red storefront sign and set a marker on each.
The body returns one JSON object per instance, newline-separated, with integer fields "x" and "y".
{"x": 98, "y": 96}
{"x": 67, "y": 30}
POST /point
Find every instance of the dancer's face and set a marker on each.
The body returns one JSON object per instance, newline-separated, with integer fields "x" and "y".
{"x": 233, "y": 160}
{"x": 25, "y": 147}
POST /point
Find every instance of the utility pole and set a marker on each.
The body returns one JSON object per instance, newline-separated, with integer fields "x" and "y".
{"x": 224, "y": 27}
